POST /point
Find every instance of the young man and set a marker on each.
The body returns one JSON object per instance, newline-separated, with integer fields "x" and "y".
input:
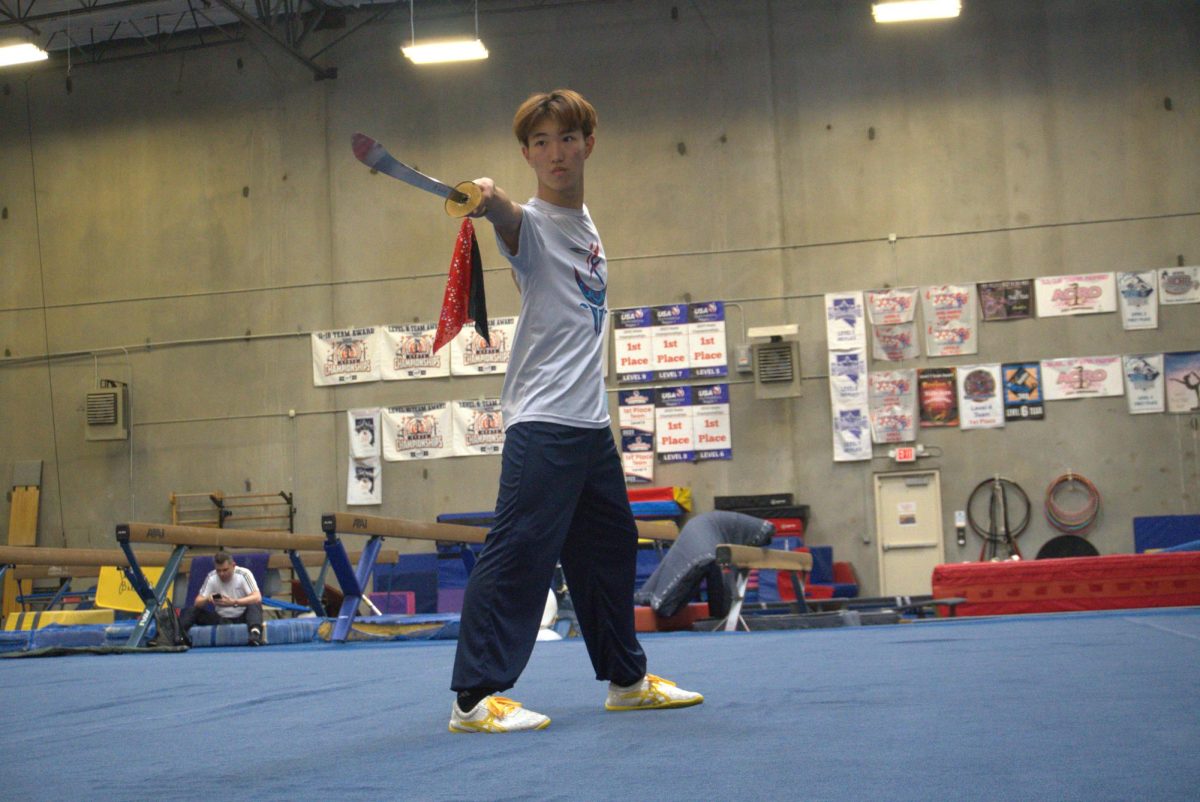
{"x": 235, "y": 598}
{"x": 562, "y": 489}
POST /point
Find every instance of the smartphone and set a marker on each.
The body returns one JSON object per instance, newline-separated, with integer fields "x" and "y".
{"x": 216, "y": 596}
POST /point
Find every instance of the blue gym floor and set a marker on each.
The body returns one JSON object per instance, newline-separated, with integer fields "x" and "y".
{"x": 1081, "y": 706}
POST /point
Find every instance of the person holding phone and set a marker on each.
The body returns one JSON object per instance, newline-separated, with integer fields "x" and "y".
{"x": 234, "y": 596}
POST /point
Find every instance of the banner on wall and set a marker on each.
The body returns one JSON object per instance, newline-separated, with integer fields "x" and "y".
{"x": 950, "y": 328}
{"x": 471, "y": 355}
{"x": 1006, "y": 300}
{"x": 364, "y": 432}
{"x": 937, "y": 394}
{"x": 364, "y": 481}
{"x": 1023, "y": 391}
{"x": 848, "y": 379}
{"x": 1082, "y": 377}
{"x": 1075, "y": 295}
{"x": 893, "y": 405}
{"x": 408, "y": 353}
{"x": 845, "y": 321}
{"x": 889, "y": 307}
{"x": 420, "y": 431}
{"x": 1179, "y": 285}
{"x": 706, "y": 339}
{"x": 674, "y": 436}
{"x": 345, "y": 356}
{"x": 635, "y": 418}
{"x": 1183, "y": 381}
{"x": 980, "y": 397}
{"x": 633, "y": 347}
{"x": 1145, "y": 388}
{"x": 710, "y": 421}
{"x": 895, "y": 343}
{"x": 1138, "y": 296}
{"x": 478, "y": 427}
{"x": 670, "y": 338}
{"x": 851, "y": 435}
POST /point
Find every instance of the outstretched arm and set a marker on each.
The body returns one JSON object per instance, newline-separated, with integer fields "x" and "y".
{"x": 501, "y": 212}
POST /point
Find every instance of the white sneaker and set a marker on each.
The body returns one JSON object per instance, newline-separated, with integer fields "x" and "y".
{"x": 652, "y": 693}
{"x": 496, "y": 714}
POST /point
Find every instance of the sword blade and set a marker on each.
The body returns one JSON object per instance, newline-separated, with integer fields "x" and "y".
{"x": 373, "y": 154}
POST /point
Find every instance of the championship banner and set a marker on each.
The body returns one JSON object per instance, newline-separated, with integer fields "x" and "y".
{"x": 364, "y": 481}
{"x": 673, "y": 424}
{"x": 980, "y": 400}
{"x": 1075, "y": 295}
{"x": 845, "y": 323}
{"x": 1145, "y": 387}
{"x": 889, "y": 307}
{"x": 710, "y": 421}
{"x": 851, "y": 435}
{"x": 1082, "y": 377}
{"x": 478, "y": 427}
{"x": 409, "y": 353}
{"x": 471, "y": 355}
{"x": 1179, "y": 285}
{"x": 894, "y": 343}
{"x": 706, "y": 339}
{"x": 1006, "y": 300}
{"x": 950, "y": 328}
{"x": 1023, "y": 391}
{"x": 670, "y": 337}
{"x": 633, "y": 347}
{"x": 638, "y": 467}
{"x": 422, "y": 431}
{"x": 364, "y": 432}
{"x": 635, "y": 418}
{"x": 1183, "y": 381}
{"x": 848, "y": 379}
{"x": 893, "y": 397}
{"x": 345, "y": 356}
{"x": 937, "y": 394}
{"x": 1138, "y": 296}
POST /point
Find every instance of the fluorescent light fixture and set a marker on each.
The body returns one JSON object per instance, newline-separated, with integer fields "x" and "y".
{"x": 445, "y": 51}
{"x": 20, "y": 53}
{"x": 910, "y": 10}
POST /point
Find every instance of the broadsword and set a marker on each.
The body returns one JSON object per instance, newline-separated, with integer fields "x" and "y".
{"x": 461, "y": 200}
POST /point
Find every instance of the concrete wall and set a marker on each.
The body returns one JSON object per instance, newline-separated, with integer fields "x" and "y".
{"x": 182, "y": 222}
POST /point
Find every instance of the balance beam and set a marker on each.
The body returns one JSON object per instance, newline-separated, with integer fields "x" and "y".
{"x": 743, "y": 559}
{"x": 87, "y": 567}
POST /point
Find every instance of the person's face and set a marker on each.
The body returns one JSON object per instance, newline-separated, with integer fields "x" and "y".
{"x": 225, "y": 570}
{"x": 557, "y": 159}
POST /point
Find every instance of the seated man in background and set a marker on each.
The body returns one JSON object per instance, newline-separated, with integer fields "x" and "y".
{"x": 234, "y": 595}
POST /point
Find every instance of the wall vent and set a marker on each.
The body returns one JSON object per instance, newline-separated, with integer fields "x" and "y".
{"x": 105, "y": 411}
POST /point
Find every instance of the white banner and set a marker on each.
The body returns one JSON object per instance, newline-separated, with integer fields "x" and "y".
{"x": 421, "y": 431}
{"x": 1179, "y": 285}
{"x": 346, "y": 356}
{"x": 845, "y": 321}
{"x": 1138, "y": 295}
{"x": 706, "y": 339}
{"x": 1082, "y": 377}
{"x": 1075, "y": 295}
{"x": 670, "y": 339}
{"x": 1145, "y": 386}
{"x": 364, "y": 481}
{"x": 848, "y": 379}
{"x": 633, "y": 347}
{"x": 364, "y": 432}
{"x": 639, "y": 467}
{"x": 895, "y": 343}
{"x": 710, "y": 421}
{"x": 980, "y": 397}
{"x": 478, "y": 427}
{"x": 950, "y": 328}
{"x": 409, "y": 353}
{"x": 851, "y": 435}
{"x": 471, "y": 355}
{"x": 889, "y": 307}
{"x": 674, "y": 435}
{"x": 893, "y": 395}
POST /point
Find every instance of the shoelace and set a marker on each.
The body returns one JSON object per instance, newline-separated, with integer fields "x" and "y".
{"x": 501, "y": 706}
{"x": 656, "y": 680}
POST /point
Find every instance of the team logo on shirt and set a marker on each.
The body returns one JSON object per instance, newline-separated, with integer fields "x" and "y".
{"x": 593, "y": 297}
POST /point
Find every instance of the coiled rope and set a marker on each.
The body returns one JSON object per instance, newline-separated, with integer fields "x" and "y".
{"x": 1072, "y": 521}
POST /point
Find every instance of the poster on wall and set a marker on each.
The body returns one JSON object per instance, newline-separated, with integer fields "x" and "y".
{"x": 471, "y": 355}
{"x": 1145, "y": 387}
{"x": 710, "y": 421}
{"x": 364, "y": 432}
{"x": 937, "y": 394}
{"x": 670, "y": 338}
{"x": 950, "y": 328}
{"x": 420, "y": 431}
{"x": 706, "y": 339}
{"x": 980, "y": 397}
{"x": 1023, "y": 391}
{"x": 845, "y": 322}
{"x": 633, "y": 347}
{"x": 1179, "y": 285}
{"x": 1138, "y": 296}
{"x": 364, "y": 481}
{"x": 1006, "y": 300}
{"x": 848, "y": 379}
{"x": 478, "y": 427}
{"x": 673, "y": 424}
{"x": 408, "y": 353}
{"x": 895, "y": 343}
{"x": 635, "y": 418}
{"x": 1082, "y": 377}
{"x": 889, "y": 307}
{"x": 1183, "y": 381}
{"x": 893, "y": 405}
{"x": 345, "y": 356}
{"x": 1088, "y": 294}
{"x": 851, "y": 435}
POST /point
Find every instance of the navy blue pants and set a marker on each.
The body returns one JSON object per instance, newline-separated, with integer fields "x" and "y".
{"x": 562, "y": 498}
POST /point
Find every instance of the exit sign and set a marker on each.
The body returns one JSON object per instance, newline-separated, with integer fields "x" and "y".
{"x": 906, "y": 454}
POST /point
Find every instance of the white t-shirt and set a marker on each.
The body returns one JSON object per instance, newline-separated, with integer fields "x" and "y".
{"x": 239, "y": 585}
{"x": 555, "y": 373}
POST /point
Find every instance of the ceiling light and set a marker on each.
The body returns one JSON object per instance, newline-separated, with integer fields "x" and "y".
{"x": 909, "y": 10}
{"x": 20, "y": 53}
{"x": 449, "y": 50}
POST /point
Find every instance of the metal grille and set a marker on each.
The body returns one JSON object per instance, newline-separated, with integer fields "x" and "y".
{"x": 774, "y": 361}
{"x": 102, "y": 409}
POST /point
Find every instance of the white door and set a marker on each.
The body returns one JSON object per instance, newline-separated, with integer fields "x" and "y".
{"x": 908, "y": 531}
